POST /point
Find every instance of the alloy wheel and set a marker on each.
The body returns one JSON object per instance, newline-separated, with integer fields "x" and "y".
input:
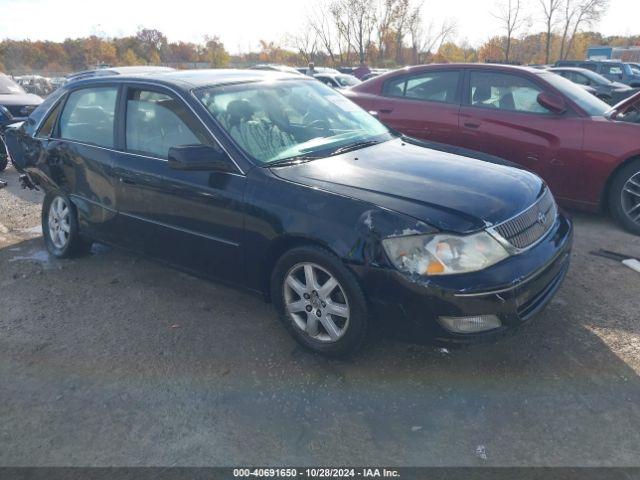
{"x": 631, "y": 198}
{"x": 59, "y": 223}
{"x": 316, "y": 302}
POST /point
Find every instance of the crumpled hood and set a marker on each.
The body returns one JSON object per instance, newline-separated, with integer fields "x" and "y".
{"x": 451, "y": 192}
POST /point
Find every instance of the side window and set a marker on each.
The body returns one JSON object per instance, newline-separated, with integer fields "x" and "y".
{"x": 505, "y": 92}
{"x": 581, "y": 79}
{"x": 46, "y": 129}
{"x": 612, "y": 70}
{"x": 433, "y": 86}
{"x": 394, "y": 87}
{"x": 589, "y": 66}
{"x": 88, "y": 116}
{"x": 156, "y": 122}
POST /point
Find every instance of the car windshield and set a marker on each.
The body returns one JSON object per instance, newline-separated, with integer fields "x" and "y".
{"x": 9, "y": 87}
{"x": 585, "y": 100}
{"x": 290, "y": 119}
{"x": 347, "y": 80}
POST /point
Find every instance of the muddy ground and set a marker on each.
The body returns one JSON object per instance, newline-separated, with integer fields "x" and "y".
{"x": 114, "y": 360}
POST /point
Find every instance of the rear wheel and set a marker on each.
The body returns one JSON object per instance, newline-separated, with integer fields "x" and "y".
{"x": 624, "y": 197}
{"x": 60, "y": 227}
{"x": 319, "y": 301}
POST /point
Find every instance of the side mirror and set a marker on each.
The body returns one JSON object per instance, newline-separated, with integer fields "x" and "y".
{"x": 554, "y": 103}
{"x": 199, "y": 157}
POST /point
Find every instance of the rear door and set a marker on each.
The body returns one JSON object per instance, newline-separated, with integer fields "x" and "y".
{"x": 423, "y": 105}
{"x": 80, "y": 152}
{"x": 190, "y": 218}
{"x": 501, "y": 116}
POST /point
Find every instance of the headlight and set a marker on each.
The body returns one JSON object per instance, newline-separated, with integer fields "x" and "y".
{"x": 444, "y": 254}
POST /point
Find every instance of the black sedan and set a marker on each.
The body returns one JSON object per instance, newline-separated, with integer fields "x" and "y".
{"x": 604, "y": 89}
{"x": 280, "y": 185}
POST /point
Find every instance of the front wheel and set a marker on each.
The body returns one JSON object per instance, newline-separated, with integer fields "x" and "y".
{"x": 60, "y": 226}
{"x": 320, "y": 301}
{"x": 624, "y": 197}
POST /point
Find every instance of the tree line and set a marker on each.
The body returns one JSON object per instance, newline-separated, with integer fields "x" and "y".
{"x": 379, "y": 33}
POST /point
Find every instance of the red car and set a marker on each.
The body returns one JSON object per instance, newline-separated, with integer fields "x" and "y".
{"x": 587, "y": 152}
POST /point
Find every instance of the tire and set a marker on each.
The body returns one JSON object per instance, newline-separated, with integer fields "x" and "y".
{"x": 345, "y": 334}
{"x": 624, "y": 197}
{"x": 60, "y": 227}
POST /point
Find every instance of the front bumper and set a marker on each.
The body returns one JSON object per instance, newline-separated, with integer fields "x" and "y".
{"x": 515, "y": 290}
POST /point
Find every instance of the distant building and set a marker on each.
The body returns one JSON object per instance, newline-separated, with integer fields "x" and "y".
{"x": 626, "y": 54}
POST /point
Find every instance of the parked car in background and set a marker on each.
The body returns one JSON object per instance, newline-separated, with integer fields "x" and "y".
{"x": 15, "y": 106}
{"x": 605, "y": 89}
{"x": 35, "y": 84}
{"x": 279, "y": 184}
{"x": 337, "y": 80}
{"x": 586, "y": 152}
{"x": 275, "y": 68}
{"x": 614, "y": 70}
{"x": 316, "y": 69}
{"x": 106, "y": 72}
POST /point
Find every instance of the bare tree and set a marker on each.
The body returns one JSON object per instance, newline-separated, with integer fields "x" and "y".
{"x": 362, "y": 15}
{"x": 511, "y": 16}
{"x": 386, "y": 17}
{"x": 305, "y": 42}
{"x": 578, "y": 14}
{"x": 429, "y": 39}
{"x": 550, "y": 9}
{"x": 402, "y": 16}
{"x": 320, "y": 21}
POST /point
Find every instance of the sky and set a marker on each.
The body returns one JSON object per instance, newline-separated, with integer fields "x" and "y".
{"x": 242, "y": 23}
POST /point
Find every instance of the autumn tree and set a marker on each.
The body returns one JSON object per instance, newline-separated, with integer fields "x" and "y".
{"x": 215, "y": 53}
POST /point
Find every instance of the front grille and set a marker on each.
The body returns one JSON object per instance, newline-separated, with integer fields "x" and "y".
{"x": 528, "y": 227}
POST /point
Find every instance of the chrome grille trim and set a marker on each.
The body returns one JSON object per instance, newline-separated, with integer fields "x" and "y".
{"x": 528, "y": 227}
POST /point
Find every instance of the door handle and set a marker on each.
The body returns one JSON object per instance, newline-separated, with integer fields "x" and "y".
{"x": 385, "y": 110}
{"x": 471, "y": 125}
{"x": 126, "y": 180}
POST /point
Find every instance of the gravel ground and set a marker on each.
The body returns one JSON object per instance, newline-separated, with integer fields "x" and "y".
{"x": 114, "y": 360}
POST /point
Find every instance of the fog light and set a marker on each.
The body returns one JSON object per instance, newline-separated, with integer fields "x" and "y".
{"x": 477, "y": 323}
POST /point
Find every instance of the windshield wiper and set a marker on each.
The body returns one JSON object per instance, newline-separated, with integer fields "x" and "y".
{"x": 307, "y": 158}
{"x": 293, "y": 160}
{"x": 354, "y": 146}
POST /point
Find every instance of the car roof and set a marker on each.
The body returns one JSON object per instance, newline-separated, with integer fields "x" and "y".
{"x": 189, "y": 79}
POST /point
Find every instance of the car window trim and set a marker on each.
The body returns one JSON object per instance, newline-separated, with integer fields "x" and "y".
{"x": 58, "y": 103}
{"x": 56, "y": 128}
{"x": 160, "y": 88}
{"x": 408, "y": 76}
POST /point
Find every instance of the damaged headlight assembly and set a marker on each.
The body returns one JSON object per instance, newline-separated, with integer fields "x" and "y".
{"x": 443, "y": 254}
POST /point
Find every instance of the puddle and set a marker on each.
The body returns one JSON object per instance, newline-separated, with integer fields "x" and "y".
{"x": 34, "y": 255}
{"x": 37, "y": 229}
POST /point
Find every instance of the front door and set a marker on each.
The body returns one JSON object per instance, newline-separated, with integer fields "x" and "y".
{"x": 502, "y": 116}
{"x": 190, "y": 218}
